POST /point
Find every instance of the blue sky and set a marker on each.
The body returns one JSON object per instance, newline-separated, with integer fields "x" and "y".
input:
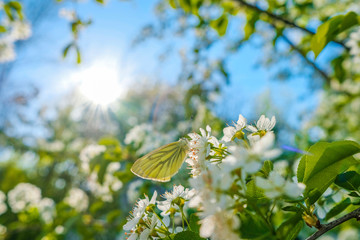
{"x": 110, "y": 36}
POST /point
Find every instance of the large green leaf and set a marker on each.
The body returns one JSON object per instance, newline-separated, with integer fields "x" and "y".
{"x": 338, "y": 208}
{"x": 328, "y": 31}
{"x": 186, "y": 235}
{"x": 253, "y": 191}
{"x": 348, "y": 180}
{"x": 194, "y": 223}
{"x": 318, "y": 169}
{"x": 252, "y": 226}
{"x": 290, "y": 228}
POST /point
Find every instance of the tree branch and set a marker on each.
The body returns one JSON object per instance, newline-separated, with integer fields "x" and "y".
{"x": 316, "y": 67}
{"x": 326, "y": 227}
{"x": 282, "y": 19}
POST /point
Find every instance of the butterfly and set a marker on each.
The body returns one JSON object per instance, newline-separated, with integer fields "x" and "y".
{"x": 162, "y": 163}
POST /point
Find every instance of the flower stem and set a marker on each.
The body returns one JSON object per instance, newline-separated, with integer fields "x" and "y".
{"x": 173, "y": 223}
{"x": 167, "y": 230}
{"x": 183, "y": 217}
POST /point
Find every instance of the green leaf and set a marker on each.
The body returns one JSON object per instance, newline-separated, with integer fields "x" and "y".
{"x": 267, "y": 168}
{"x": 319, "y": 169}
{"x": 348, "y": 180}
{"x": 252, "y": 226}
{"x": 186, "y": 235}
{"x": 102, "y": 171}
{"x": 2, "y": 29}
{"x": 290, "y": 209}
{"x": 8, "y": 12}
{"x": 66, "y": 49}
{"x": 354, "y": 194}
{"x": 15, "y": 5}
{"x": 290, "y": 229}
{"x": 185, "y": 5}
{"x": 109, "y": 141}
{"x": 100, "y": 1}
{"x": 194, "y": 223}
{"x": 220, "y": 24}
{"x": 253, "y": 191}
{"x": 338, "y": 208}
{"x": 328, "y": 31}
{"x": 172, "y": 3}
{"x": 113, "y": 215}
{"x": 96, "y": 206}
{"x": 78, "y": 55}
{"x": 251, "y": 18}
{"x": 301, "y": 170}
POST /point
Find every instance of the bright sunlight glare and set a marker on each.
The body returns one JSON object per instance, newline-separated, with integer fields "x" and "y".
{"x": 99, "y": 83}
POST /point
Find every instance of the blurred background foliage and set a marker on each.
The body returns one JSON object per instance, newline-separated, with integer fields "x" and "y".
{"x": 76, "y": 155}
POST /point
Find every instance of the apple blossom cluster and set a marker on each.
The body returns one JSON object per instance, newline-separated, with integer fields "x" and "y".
{"x": 354, "y": 45}
{"x": 109, "y": 185}
{"x": 16, "y": 30}
{"x": 144, "y": 221}
{"x": 144, "y": 137}
{"x": 225, "y": 174}
{"x": 25, "y": 196}
{"x": 102, "y": 189}
{"x": 77, "y": 199}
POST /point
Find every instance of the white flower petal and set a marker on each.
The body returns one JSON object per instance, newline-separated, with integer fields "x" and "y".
{"x": 207, "y": 226}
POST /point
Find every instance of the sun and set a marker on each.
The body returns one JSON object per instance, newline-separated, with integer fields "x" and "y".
{"x": 99, "y": 83}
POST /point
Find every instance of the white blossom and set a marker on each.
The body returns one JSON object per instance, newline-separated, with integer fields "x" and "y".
{"x": 88, "y": 153}
{"x": 199, "y": 150}
{"x": 354, "y": 45}
{"x": 46, "y": 208}
{"x": 230, "y": 131}
{"x": 219, "y": 226}
{"x": 7, "y": 51}
{"x": 77, "y": 199}
{"x": 23, "y": 196}
{"x": 67, "y": 14}
{"x": 152, "y": 223}
{"x": 250, "y": 160}
{"x": 138, "y": 212}
{"x": 59, "y": 229}
{"x": 263, "y": 124}
{"x": 3, "y": 230}
{"x": 177, "y": 192}
{"x": 19, "y": 30}
{"x": 275, "y": 186}
{"x": 3, "y": 206}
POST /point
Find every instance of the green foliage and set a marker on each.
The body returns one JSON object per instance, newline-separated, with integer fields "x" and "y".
{"x": 253, "y": 226}
{"x": 187, "y": 235}
{"x": 329, "y": 30}
{"x": 267, "y": 167}
{"x": 338, "y": 208}
{"x": 291, "y": 227}
{"x": 349, "y": 180}
{"x": 220, "y": 24}
{"x": 13, "y": 9}
{"x": 249, "y": 28}
{"x": 194, "y": 223}
{"x": 318, "y": 169}
{"x": 253, "y": 191}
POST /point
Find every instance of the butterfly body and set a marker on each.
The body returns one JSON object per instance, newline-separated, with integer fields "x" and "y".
{"x": 162, "y": 163}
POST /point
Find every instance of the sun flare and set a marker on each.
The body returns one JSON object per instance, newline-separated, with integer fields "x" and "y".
{"x": 100, "y": 83}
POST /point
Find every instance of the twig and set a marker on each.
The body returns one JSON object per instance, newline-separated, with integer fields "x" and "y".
{"x": 283, "y": 20}
{"x": 316, "y": 67}
{"x": 326, "y": 227}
